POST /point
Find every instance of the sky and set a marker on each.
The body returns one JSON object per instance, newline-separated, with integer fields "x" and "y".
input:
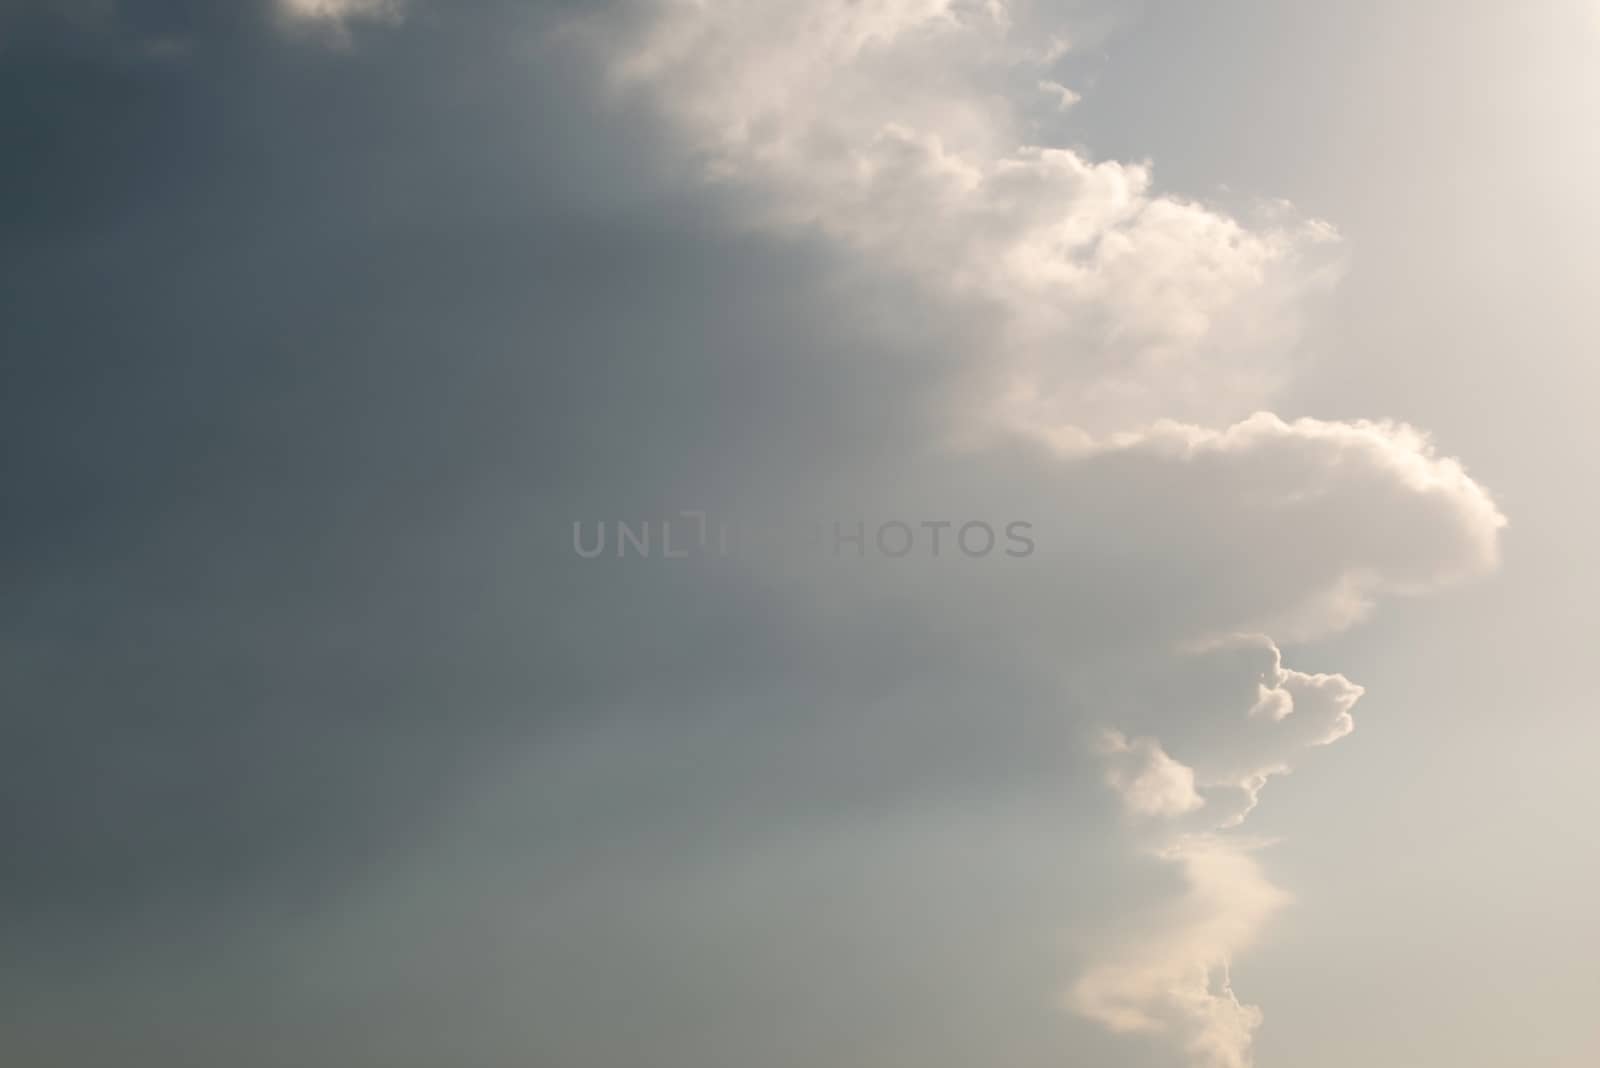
{"x": 1111, "y": 567}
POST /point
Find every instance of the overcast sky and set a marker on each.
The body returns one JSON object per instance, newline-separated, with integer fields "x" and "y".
{"x": 1157, "y": 448}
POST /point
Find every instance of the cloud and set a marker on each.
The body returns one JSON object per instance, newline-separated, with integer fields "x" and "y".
{"x": 1168, "y": 970}
{"x": 1293, "y": 529}
{"x": 1266, "y": 527}
{"x": 1149, "y": 782}
{"x": 1171, "y": 974}
{"x": 1185, "y": 537}
{"x": 1294, "y": 711}
{"x": 892, "y": 127}
{"x": 1130, "y": 339}
{"x": 1064, "y": 97}
{"x": 967, "y": 325}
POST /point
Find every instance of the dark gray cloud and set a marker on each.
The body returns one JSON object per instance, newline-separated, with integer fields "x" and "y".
{"x": 312, "y": 360}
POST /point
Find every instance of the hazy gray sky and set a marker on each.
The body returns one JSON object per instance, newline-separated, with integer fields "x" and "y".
{"x": 325, "y": 321}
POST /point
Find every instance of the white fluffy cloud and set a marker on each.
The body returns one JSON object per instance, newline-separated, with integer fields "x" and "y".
{"x": 1263, "y": 527}
{"x": 894, "y": 127}
{"x": 1179, "y": 537}
{"x": 1293, "y": 529}
{"x": 1293, "y": 712}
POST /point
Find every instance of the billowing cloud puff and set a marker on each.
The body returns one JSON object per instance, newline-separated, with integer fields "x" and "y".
{"x": 1287, "y": 528}
{"x": 1266, "y": 526}
{"x": 1169, "y": 973}
{"x": 1294, "y": 711}
{"x": 891, "y": 127}
{"x": 1149, "y": 782}
{"x": 1120, "y": 325}
{"x": 1178, "y": 537}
